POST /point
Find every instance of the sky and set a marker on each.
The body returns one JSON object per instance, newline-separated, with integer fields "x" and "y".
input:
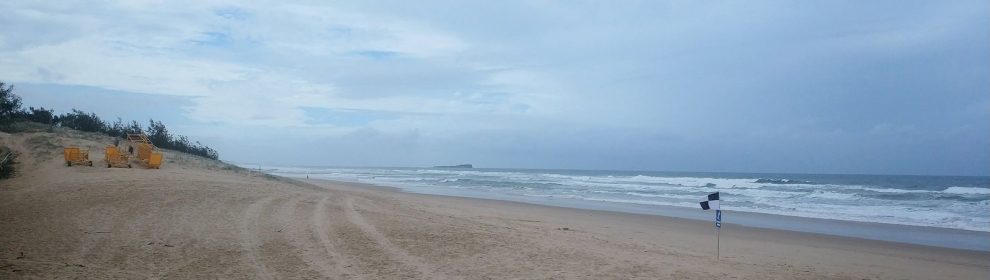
{"x": 862, "y": 87}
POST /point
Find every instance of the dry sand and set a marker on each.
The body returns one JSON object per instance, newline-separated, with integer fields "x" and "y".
{"x": 201, "y": 219}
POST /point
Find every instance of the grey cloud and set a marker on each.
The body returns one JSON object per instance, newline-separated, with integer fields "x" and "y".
{"x": 837, "y": 86}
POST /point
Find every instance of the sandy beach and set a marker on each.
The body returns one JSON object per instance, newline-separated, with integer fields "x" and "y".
{"x": 196, "y": 218}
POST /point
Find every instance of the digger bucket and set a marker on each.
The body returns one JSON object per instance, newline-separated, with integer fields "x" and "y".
{"x": 155, "y": 160}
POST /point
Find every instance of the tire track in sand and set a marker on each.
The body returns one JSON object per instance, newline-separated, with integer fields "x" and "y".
{"x": 398, "y": 253}
{"x": 249, "y": 236}
{"x": 322, "y": 230}
{"x": 326, "y": 259}
{"x": 290, "y": 226}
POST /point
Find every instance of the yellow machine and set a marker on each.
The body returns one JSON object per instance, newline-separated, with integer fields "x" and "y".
{"x": 146, "y": 150}
{"x": 77, "y": 156}
{"x": 115, "y": 158}
{"x": 155, "y": 160}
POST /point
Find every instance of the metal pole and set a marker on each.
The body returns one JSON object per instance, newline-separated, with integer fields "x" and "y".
{"x": 718, "y": 229}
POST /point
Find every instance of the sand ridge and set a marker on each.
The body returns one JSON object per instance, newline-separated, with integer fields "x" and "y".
{"x": 196, "y": 218}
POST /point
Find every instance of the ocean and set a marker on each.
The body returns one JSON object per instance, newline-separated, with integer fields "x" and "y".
{"x": 933, "y": 201}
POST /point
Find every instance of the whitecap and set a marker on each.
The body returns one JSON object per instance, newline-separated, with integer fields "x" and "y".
{"x": 967, "y": 190}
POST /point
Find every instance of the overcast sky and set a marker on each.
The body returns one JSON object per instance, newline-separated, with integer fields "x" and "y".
{"x": 877, "y": 87}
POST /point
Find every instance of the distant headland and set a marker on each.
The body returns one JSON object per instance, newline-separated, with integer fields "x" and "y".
{"x": 455, "y": 166}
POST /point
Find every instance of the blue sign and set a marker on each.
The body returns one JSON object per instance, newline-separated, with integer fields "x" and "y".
{"x": 718, "y": 218}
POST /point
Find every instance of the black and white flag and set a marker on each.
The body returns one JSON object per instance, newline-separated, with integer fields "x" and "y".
{"x": 711, "y": 203}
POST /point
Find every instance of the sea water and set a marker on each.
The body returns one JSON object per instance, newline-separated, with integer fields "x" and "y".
{"x": 933, "y": 201}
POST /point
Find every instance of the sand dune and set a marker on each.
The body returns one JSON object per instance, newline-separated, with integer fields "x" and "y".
{"x": 196, "y": 218}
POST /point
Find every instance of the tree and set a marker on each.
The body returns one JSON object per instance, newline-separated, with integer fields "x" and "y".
{"x": 117, "y": 128}
{"x": 80, "y": 120}
{"x": 159, "y": 135}
{"x": 134, "y": 128}
{"x": 10, "y": 103}
{"x": 40, "y": 115}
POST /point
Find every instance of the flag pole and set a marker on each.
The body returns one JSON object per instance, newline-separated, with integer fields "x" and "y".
{"x": 718, "y": 229}
{"x": 718, "y": 241}
{"x": 713, "y": 202}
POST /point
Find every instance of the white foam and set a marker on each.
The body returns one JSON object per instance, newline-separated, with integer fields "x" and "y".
{"x": 696, "y": 181}
{"x": 832, "y": 195}
{"x": 893, "y": 190}
{"x": 687, "y": 197}
{"x": 758, "y": 193}
{"x": 967, "y": 190}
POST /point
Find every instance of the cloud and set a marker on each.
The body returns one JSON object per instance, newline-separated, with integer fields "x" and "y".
{"x": 522, "y": 83}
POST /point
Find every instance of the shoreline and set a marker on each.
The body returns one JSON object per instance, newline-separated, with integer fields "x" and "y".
{"x": 897, "y": 233}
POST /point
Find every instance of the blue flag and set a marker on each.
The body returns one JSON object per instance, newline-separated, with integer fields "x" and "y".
{"x": 718, "y": 218}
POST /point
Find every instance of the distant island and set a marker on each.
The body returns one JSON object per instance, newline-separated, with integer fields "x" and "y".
{"x": 455, "y": 166}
